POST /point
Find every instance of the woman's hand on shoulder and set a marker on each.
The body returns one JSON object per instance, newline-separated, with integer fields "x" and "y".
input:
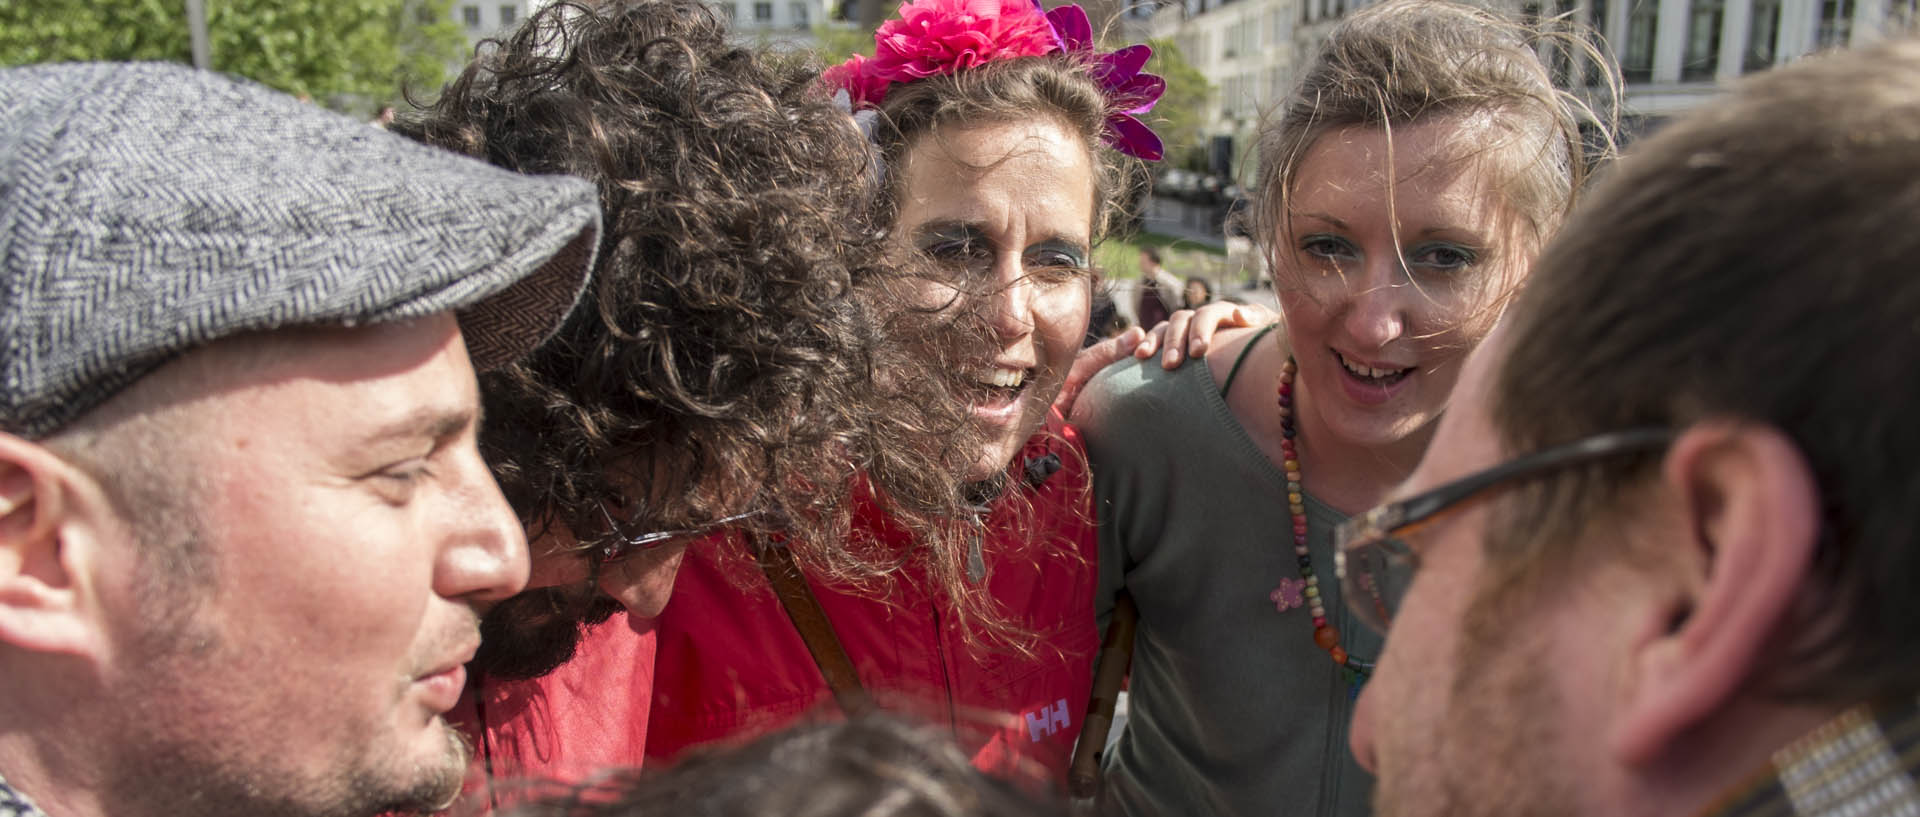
{"x": 1089, "y": 363}
{"x": 1189, "y": 332}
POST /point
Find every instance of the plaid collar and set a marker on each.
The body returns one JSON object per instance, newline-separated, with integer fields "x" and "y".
{"x": 1866, "y": 761}
{"x": 15, "y": 804}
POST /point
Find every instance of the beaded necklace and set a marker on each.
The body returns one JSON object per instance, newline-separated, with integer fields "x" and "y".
{"x": 1292, "y": 593}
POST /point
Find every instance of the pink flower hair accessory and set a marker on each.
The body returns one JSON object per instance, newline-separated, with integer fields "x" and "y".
{"x": 934, "y": 37}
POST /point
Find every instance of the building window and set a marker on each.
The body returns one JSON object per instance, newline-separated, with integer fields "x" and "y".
{"x": 1597, "y": 32}
{"x": 1836, "y": 23}
{"x": 1703, "y": 40}
{"x": 763, "y": 12}
{"x": 423, "y": 14}
{"x": 507, "y": 15}
{"x": 1241, "y": 38}
{"x": 798, "y": 11}
{"x": 1763, "y": 36}
{"x": 730, "y": 11}
{"x": 1236, "y": 98}
{"x": 1901, "y": 13}
{"x": 470, "y": 15}
{"x": 1559, "y": 56}
{"x": 1643, "y": 21}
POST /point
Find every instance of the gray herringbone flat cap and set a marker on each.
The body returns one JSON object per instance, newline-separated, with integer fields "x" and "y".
{"x": 149, "y": 209}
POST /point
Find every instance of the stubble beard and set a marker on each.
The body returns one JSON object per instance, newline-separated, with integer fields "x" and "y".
{"x": 165, "y": 764}
{"x": 435, "y": 786}
{"x": 1495, "y": 752}
{"x": 165, "y": 761}
{"x": 363, "y": 789}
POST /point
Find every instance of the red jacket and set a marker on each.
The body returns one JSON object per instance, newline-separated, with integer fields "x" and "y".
{"x": 733, "y": 666}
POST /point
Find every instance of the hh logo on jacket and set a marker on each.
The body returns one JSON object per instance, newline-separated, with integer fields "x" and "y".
{"x": 1048, "y": 721}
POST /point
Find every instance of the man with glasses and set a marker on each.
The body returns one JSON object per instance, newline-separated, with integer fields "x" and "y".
{"x": 737, "y": 358}
{"x": 1660, "y": 557}
{"x": 245, "y": 528}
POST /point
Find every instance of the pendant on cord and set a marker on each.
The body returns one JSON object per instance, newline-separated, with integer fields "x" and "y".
{"x": 1290, "y": 594}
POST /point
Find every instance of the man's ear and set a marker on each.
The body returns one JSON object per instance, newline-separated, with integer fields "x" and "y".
{"x": 51, "y": 518}
{"x": 1745, "y": 524}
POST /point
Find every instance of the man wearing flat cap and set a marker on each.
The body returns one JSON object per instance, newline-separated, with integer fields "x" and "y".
{"x": 244, "y": 525}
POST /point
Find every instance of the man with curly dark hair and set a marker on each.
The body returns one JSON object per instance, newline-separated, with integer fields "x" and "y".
{"x": 871, "y": 766}
{"x": 739, "y": 359}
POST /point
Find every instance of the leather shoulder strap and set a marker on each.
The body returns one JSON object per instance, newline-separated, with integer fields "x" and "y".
{"x": 815, "y": 629}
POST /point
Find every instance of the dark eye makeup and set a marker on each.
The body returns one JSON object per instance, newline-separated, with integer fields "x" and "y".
{"x": 965, "y": 245}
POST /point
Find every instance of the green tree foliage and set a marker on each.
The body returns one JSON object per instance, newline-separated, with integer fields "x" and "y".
{"x": 838, "y": 41}
{"x": 357, "y": 53}
{"x": 1178, "y": 116}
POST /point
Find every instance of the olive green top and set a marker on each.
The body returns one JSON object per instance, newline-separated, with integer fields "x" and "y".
{"x": 1232, "y": 709}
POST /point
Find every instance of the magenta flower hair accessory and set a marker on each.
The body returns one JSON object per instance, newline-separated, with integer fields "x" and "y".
{"x": 1132, "y": 90}
{"x": 863, "y": 85}
{"x": 944, "y": 36}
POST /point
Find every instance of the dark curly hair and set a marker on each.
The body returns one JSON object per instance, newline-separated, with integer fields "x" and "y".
{"x": 741, "y": 346}
{"x": 872, "y": 766}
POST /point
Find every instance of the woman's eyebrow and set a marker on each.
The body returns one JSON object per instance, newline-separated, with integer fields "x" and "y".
{"x": 950, "y": 230}
{"x": 1457, "y": 232}
{"x": 1323, "y": 218}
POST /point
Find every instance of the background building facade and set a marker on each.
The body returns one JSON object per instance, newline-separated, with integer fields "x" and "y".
{"x": 1672, "y": 53}
{"x": 781, "y": 20}
{"x": 490, "y": 18}
{"x": 785, "y": 21}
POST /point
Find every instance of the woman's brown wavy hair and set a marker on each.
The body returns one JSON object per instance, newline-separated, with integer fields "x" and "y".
{"x": 1403, "y": 62}
{"x": 1057, "y": 88}
{"x": 740, "y": 346}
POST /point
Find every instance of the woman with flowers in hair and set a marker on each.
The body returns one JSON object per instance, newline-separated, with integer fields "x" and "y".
{"x": 1406, "y": 188}
{"x": 997, "y": 129}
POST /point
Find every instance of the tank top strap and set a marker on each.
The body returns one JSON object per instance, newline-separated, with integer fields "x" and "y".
{"x": 1234, "y": 372}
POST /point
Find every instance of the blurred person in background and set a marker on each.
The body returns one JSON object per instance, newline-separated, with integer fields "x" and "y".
{"x": 1159, "y": 290}
{"x": 1198, "y": 293}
